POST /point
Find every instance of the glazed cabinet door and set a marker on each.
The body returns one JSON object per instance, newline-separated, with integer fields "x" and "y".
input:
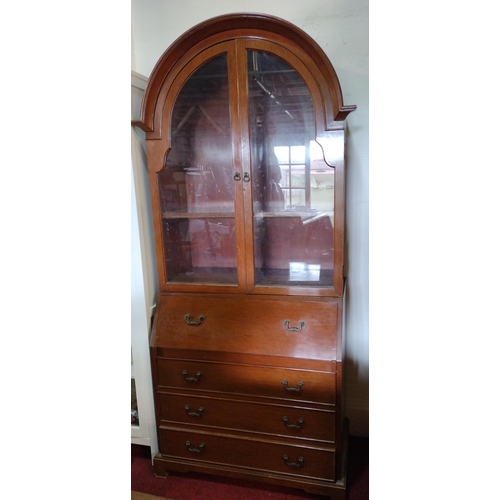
{"x": 292, "y": 186}
{"x": 246, "y": 197}
{"x": 196, "y": 186}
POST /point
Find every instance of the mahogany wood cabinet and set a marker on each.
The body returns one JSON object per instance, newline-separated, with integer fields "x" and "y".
{"x": 244, "y": 121}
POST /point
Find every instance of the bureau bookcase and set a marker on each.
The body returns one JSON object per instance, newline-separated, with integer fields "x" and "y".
{"x": 244, "y": 121}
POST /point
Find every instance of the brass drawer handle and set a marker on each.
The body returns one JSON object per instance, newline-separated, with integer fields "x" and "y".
{"x": 292, "y": 389}
{"x": 293, "y": 328}
{"x": 196, "y": 378}
{"x": 300, "y": 423}
{"x": 195, "y": 450}
{"x": 192, "y": 413}
{"x": 299, "y": 463}
{"x": 187, "y": 317}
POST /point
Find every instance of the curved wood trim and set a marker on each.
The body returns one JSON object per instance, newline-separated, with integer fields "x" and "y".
{"x": 232, "y": 26}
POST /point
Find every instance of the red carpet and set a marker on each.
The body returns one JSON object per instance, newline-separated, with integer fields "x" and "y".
{"x": 194, "y": 486}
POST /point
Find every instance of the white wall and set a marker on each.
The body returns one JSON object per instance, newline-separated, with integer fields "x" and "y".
{"x": 341, "y": 29}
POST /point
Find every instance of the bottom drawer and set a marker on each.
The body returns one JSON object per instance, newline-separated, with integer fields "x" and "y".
{"x": 241, "y": 452}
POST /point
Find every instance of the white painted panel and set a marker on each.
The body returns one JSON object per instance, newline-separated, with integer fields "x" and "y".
{"x": 143, "y": 282}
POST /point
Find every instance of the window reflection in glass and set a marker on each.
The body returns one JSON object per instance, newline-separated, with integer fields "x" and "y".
{"x": 292, "y": 185}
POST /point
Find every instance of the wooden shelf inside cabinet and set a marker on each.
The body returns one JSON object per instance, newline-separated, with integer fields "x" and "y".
{"x": 246, "y": 350}
{"x": 197, "y": 215}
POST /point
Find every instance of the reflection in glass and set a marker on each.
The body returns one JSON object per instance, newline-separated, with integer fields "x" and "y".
{"x": 196, "y": 186}
{"x": 292, "y": 185}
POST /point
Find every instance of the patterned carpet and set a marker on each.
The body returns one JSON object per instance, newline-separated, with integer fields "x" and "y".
{"x": 192, "y": 486}
{"x": 144, "y": 496}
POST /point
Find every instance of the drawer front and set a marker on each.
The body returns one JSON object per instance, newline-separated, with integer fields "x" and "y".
{"x": 282, "y": 383}
{"x": 240, "y": 452}
{"x": 288, "y": 421}
{"x": 299, "y": 329}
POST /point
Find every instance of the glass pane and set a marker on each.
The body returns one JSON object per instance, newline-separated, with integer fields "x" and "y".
{"x": 200, "y": 250}
{"x": 196, "y": 186}
{"x": 134, "y": 407}
{"x": 292, "y": 185}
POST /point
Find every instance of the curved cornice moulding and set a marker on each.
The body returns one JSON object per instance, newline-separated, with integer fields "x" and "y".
{"x": 242, "y": 25}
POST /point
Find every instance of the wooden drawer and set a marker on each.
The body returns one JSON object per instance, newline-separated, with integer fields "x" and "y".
{"x": 272, "y": 327}
{"x": 257, "y": 381}
{"x": 305, "y": 423}
{"x": 240, "y": 452}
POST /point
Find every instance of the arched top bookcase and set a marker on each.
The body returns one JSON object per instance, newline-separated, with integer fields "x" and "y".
{"x": 244, "y": 120}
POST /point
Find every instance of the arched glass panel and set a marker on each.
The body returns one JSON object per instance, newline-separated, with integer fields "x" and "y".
{"x": 196, "y": 186}
{"x": 292, "y": 185}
